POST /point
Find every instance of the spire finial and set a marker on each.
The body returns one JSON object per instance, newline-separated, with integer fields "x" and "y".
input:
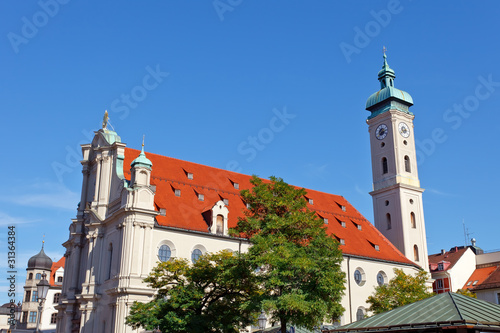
{"x": 43, "y": 240}
{"x": 384, "y": 50}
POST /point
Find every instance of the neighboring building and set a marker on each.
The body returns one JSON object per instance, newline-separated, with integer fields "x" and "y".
{"x": 485, "y": 280}
{"x": 38, "y": 266}
{"x": 137, "y": 210}
{"x": 451, "y": 269}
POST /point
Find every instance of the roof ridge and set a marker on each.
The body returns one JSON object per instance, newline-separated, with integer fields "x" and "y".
{"x": 455, "y": 304}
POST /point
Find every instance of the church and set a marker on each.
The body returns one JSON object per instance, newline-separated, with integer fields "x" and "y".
{"x": 139, "y": 208}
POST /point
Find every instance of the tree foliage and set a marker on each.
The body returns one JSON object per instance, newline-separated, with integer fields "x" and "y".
{"x": 466, "y": 292}
{"x": 298, "y": 263}
{"x": 401, "y": 290}
{"x": 216, "y": 294}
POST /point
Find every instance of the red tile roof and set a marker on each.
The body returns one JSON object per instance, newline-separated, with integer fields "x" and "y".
{"x": 185, "y": 211}
{"x": 55, "y": 266}
{"x": 488, "y": 277}
{"x": 449, "y": 259}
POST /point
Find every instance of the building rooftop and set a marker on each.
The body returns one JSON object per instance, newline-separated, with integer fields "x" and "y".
{"x": 443, "y": 311}
{"x": 448, "y": 259}
{"x": 186, "y": 190}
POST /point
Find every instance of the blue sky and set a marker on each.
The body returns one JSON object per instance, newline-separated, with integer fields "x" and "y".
{"x": 201, "y": 79}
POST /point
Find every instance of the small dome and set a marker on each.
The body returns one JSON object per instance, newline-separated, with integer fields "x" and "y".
{"x": 40, "y": 261}
{"x": 142, "y": 160}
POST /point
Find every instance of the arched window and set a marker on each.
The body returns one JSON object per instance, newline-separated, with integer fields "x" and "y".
{"x": 220, "y": 225}
{"x": 38, "y": 276}
{"x": 407, "y": 164}
{"x": 413, "y": 221}
{"x": 56, "y": 298}
{"x": 53, "y": 318}
{"x": 415, "y": 252}
{"x": 164, "y": 253}
{"x": 195, "y": 255}
{"x": 389, "y": 223}
{"x": 30, "y": 276}
{"x": 360, "y": 314}
{"x": 384, "y": 165}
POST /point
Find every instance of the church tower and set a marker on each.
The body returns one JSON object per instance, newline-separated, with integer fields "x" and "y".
{"x": 397, "y": 196}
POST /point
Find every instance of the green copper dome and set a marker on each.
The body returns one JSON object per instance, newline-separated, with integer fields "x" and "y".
{"x": 142, "y": 160}
{"x": 388, "y": 97}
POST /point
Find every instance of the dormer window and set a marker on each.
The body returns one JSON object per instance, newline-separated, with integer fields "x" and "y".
{"x": 219, "y": 216}
{"x": 236, "y": 186}
{"x": 325, "y": 220}
{"x": 177, "y": 192}
{"x": 201, "y": 197}
{"x": 190, "y": 175}
{"x": 342, "y": 241}
{"x": 248, "y": 206}
{"x": 377, "y": 248}
{"x": 440, "y": 266}
{"x": 342, "y": 223}
{"x": 226, "y": 201}
{"x": 311, "y": 201}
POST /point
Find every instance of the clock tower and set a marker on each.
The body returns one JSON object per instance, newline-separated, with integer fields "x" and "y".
{"x": 397, "y": 196}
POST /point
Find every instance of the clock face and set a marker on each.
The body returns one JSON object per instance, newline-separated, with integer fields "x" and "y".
{"x": 404, "y": 130}
{"x": 381, "y": 131}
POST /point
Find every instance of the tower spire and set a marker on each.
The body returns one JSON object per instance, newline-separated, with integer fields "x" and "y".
{"x": 386, "y": 75}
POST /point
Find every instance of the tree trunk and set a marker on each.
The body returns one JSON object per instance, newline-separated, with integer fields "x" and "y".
{"x": 283, "y": 324}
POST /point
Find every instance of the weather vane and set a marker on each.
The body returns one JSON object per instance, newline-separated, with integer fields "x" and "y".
{"x": 384, "y": 50}
{"x": 143, "y": 140}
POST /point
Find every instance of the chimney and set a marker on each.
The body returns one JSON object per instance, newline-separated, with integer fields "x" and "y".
{"x": 443, "y": 251}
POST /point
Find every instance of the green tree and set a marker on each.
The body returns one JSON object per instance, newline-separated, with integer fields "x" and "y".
{"x": 215, "y": 294}
{"x": 298, "y": 263}
{"x": 466, "y": 292}
{"x": 401, "y": 290}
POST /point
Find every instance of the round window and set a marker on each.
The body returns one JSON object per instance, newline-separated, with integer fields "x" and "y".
{"x": 381, "y": 278}
{"x": 164, "y": 253}
{"x": 359, "y": 276}
{"x": 195, "y": 255}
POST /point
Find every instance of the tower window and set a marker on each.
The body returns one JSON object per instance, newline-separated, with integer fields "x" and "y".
{"x": 413, "y": 221}
{"x": 33, "y": 315}
{"x": 384, "y": 165}
{"x": 56, "y": 298}
{"x": 53, "y": 318}
{"x": 28, "y": 296}
{"x": 38, "y": 276}
{"x": 407, "y": 164}
{"x": 388, "y": 219}
{"x": 415, "y": 252}
{"x": 30, "y": 276}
